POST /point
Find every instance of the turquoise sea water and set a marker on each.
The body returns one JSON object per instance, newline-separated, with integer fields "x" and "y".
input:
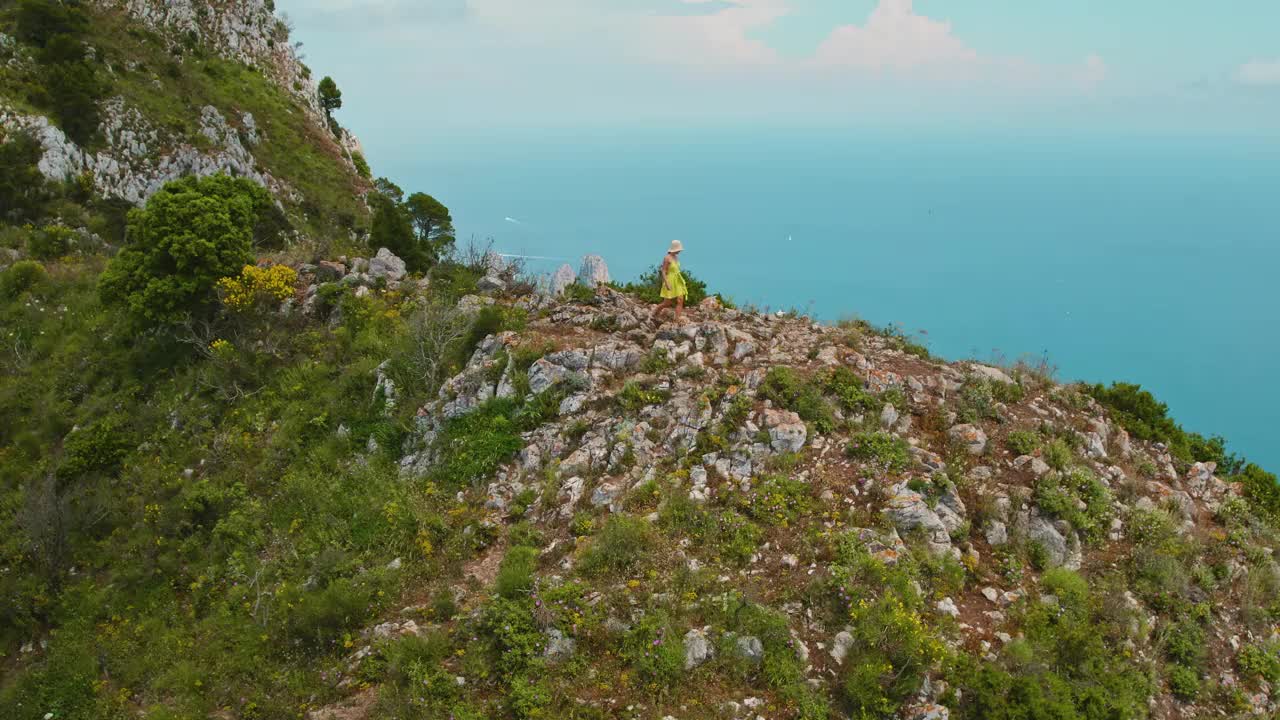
{"x": 1151, "y": 260}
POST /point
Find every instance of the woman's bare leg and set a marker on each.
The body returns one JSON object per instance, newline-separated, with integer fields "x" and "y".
{"x": 679, "y": 307}
{"x": 666, "y": 302}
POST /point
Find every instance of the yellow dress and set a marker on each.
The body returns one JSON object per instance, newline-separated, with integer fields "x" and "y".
{"x": 674, "y": 286}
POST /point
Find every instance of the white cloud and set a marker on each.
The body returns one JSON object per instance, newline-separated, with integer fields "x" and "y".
{"x": 894, "y": 38}
{"x": 1259, "y": 72}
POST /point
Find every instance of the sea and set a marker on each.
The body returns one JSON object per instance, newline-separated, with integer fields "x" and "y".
{"x": 1113, "y": 257}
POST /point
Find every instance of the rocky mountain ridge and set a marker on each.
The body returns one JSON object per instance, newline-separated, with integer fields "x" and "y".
{"x": 145, "y": 141}
{"x": 964, "y": 461}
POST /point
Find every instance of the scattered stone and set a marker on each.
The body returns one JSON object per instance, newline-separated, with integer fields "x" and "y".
{"x": 697, "y": 649}
{"x": 972, "y": 436}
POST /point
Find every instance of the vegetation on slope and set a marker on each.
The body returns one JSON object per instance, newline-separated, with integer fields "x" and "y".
{"x": 81, "y": 55}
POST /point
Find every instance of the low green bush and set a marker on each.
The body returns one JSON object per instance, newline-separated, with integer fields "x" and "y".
{"x": 788, "y": 389}
{"x": 1023, "y": 442}
{"x": 1060, "y": 495}
{"x": 50, "y": 242}
{"x": 1146, "y": 418}
{"x": 653, "y": 648}
{"x": 21, "y": 277}
{"x": 888, "y": 451}
{"x": 515, "y": 573}
{"x": 1260, "y": 661}
{"x": 619, "y": 548}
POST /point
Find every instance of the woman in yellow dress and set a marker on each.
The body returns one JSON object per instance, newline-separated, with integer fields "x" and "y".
{"x": 673, "y": 288}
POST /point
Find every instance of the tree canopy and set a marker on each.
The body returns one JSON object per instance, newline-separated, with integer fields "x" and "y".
{"x": 192, "y": 233}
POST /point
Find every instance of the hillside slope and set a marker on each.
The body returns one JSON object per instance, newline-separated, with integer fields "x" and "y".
{"x": 459, "y": 496}
{"x": 126, "y": 95}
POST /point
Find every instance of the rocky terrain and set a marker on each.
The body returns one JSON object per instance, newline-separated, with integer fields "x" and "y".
{"x": 170, "y": 109}
{"x": 1000, "y": 471}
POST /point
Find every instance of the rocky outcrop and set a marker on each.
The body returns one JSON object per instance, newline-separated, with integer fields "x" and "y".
{"x": 139, "y": 158}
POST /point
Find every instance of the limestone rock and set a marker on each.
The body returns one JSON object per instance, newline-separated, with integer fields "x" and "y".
{"x": 697, "y": 649}
{"x": 386, "y": 265}
{"x": 787, "y": 432}
{"x": 594, "y": 272}
{"x": 971, "y": 436}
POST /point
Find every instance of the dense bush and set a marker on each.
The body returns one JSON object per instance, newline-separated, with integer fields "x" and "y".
{"x": 23, "y": 191}
{"x": 648, "y": 287}
{"x": 192, "y": 233}
{"x": 889, "y": 451}
{"x": 790, "y": 390}
{"x": 1146, "y": 418}
{"x": 20, "y": 277}
{"x": 620, "y": 546}
{"x": 515, "y": 574}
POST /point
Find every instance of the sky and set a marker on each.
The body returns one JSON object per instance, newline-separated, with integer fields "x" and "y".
{"x": 415, "y": 66}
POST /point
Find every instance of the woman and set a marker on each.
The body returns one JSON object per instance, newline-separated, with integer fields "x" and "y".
{"x": 673, "y": 287}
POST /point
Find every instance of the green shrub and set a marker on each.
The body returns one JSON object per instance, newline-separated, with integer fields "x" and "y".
{"x": 654, "y": 650}
{"x": 633, "y": 397}
{"x": 648, "y": 287}
{"x": 97, "y": 448}
{"x": 1069, "y": 586}
{"x": 1023, "y": 442}
{"x": 515, "y": 574}
{"x": 51, "y": 242}
{"x": 579, "y": 293}
{"x": 777, "y": 500}
{"x": 192, "y": 233}
{"x": 1184, "y": 682}
{"x": 1146, "y": 418}
{"x": 787, "y": 389}
{"x": 23, "y": 189}
{"x": 21, "y": 277}
{"x": 622, "y": 543}
{"x": 473, "y": 446}
{"x": 735, "y": 537}
{"x": 1262, "y": 492}
{"x": 850, "y": 391}
{"x": 890, "y": 452}
{"x": 1260, "y": 661}
{"x": 1059, "y": 495}
{"x": 1058, "y": 455}
{"x": 978, "y": 398}
{"x": 319, "y": 617}
{"x": 1184, "y": 643}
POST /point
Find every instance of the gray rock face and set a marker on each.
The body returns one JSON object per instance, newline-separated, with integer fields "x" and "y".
{"x": 751, "y": 648}
{"x": 697, "y": 649}
{"x": 971, "y": 436}
{"x": 543, "y": 375}
{"x": 559, "y": 645}
{"x": 840, "y": 646}
{"x": 386, "y": 265}
{"x": 990, "y": 373}
{"x": 787, "y": 432}
{"x": 594, "y": 271}
{"x": 888, "y": 416}
{"x": 1058, "y": 540}
{"x": 561, "y": 280}
{"x": 138, "y": 159}
{"x": 491, "y": 283}
{"x": 909, "y": 512}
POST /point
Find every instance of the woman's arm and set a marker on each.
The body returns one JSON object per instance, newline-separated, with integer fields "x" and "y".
{"x": 666, "y": 264}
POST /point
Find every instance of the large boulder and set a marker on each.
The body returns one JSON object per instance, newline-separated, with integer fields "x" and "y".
{"x": 697, "y": 649}
{"x": 1058, "y": 541}
{"x": 971, "y": 437}
{"x": 909, "y": 512}
{"x": 386, "y": 265}
{"x": 561, "y": 279}
{"x": 787, "y": 432}
{"x": 594, "y": 271}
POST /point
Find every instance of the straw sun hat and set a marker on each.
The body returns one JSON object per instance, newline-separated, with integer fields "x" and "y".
{"x": 676, "y": 246}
